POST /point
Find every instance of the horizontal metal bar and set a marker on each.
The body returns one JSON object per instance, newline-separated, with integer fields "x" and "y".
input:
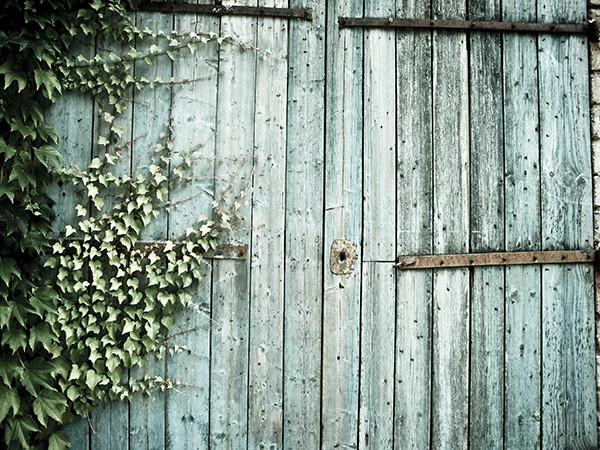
{"x": 223, "y": 10}
{"x": 495, "y": 259}
{"x": 465, "y": 25}
{"x": 225, "y": 251}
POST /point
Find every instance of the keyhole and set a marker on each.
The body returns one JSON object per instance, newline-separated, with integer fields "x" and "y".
{"x": 343, "y": 256}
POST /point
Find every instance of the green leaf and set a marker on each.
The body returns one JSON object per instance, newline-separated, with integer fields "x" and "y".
{"x": 49, "y": 404}
{"x": 6, "y": 190}
{"x": 8, "y": 268}
{"x": 19, "y": 430}
{"x": 42, "y": 334}
{"x": 15, "y": 339}
{"x": 48, "y": 156}
{"x": 58, "y": 442}
{"x": 47, "y": 79}
{"x": 9, "y": 399}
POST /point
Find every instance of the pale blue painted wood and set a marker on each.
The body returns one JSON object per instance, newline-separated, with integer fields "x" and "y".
{"x": 414, "y": 230}
{"x": 522, "y": 204}
{"x": 343, "y": 220}
{"x": 450, "y": 391}
{"x": 193, "y": 118}
{"x": 231, "y": 279}
{"x": 304, "y": 230}
{"x": 568, "y": 384}
{"x": 265, "y": 404}
{"x": 378, "y": 326}
{"x": 486, "y": 391}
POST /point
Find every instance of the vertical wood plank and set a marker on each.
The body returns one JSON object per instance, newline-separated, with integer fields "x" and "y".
{"x": 265, "y": 408}
{"x": 304, "y": 230}
{"x": 414, "y": 230}
{"x": 451, "y": 231}
{"x": 522, "y": 205}
{"x": 72, "y": 119}
{"x": 343, "y": 217}
{"x": 379, "y": 137}
{"x": 486, "y": 396}
{"x": 110, "y": 421}
{"x": 377, "y": 367}
{"x": 231, "y": 283}
{"x": 568, "y": 384}
{"x": 151, "y": 114}
{"x": 193, "y": 118}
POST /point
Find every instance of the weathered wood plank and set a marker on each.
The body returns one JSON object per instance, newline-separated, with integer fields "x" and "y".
{"x": 414, "y": 230}
{"x": 72, "y": 119}
{"x": 379, "y": 157}
{"x": 343, "y": 217}
{"x": 304, "y": 230}
{"x": 450, "y": 396}
{"x": 151, "y": 115}
{"x": 568, "y": 383}
{"x": 376, "y": 428}
{"x": 110, "y": 422}
{"x": 231, "y": 279}
{"x": 265, "y": 408}
{"x": 522, "y": 205}
{"x": 193, "y": 118}
{"x": 486, "y": 390}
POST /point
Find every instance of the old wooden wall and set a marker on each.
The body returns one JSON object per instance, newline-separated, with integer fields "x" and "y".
{"x": 403, "y": 142}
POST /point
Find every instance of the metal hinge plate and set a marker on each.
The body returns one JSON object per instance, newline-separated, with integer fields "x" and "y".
{"x": 223, "y": 10}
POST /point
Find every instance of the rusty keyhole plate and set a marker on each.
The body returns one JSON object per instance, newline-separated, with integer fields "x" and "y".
{"x": 343, "y": 257}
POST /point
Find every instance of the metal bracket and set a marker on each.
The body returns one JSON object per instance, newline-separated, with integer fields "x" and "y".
{"x": 590, "y": 28}
{"x": 218, "y": 9}
{"x": 495, "y": 259}
{"x": 343, "y": 257}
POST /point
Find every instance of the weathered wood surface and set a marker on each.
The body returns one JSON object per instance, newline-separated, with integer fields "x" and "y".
{"x": 343, "y": 220}
{"x": 403, "y": 142}
{"x": 304, "y": 230}
{"x": 486, "y": 379}
{"x": 450, "y": 389}
{"x": 414, "y": 186}
{"x": 265, "y": 404}
{"x": 522, "y": 352}
{"x": 193, "y": 120}
{"x": 568, "y": 387}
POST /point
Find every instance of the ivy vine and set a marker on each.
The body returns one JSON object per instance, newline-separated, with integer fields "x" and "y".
{"x": 79, "y": 311}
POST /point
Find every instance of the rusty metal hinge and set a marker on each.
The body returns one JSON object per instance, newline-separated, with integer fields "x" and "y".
{"x": 496, "y": 259}
{"x": 589, "y": 28}
{"x": 218, "y": 9}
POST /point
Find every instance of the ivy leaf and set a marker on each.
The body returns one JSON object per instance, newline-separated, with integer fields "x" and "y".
{"x": 8, "y": 268}
{"x": 47, "y": 79}
{"x": 7, "y": 191}
{"x": 19, "y": 430}
{"x": 42, "y": 334}
{"x": 58, "y": 442}
{"x": 49, "y": 404}
{"x": 15, "y": 339}
{"x": 9, "y": 399}
{"x": 48, "y": 156}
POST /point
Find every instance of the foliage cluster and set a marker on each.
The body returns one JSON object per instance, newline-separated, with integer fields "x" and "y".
{"x": 76, "y": 313}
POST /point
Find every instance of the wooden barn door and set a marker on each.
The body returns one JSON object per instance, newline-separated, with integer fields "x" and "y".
{"x": 457, "y": 142}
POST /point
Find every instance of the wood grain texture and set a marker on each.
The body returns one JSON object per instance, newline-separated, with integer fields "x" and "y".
{"x": 265, "y": 408}
{"x": 231, "y": 279}
{"x": 568, "y": 384}
{"x": 379, "y": 157}
{"x": 376, "y": 426}
{"x": 486, "y": 390}
{"x": 193, "y": 118}
{"x": 304, "y": 230}
{"x": 522, "y": 233}
{"x": 343, "y": 220}
{"x": 450, "y": 396}
{"x": 72, "y": 119}
{"x": 151, "y": 115}
{"x": 414, "y": 230}
{"x": 110, "y": 422}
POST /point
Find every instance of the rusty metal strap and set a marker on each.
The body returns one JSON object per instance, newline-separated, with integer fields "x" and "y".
{"x": 223, "y": 10}
{"x": 495, "y": 259}
{"x": 589, "y": 28}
